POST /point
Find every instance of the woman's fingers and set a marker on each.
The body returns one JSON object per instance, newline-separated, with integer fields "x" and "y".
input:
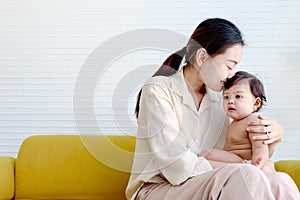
{"x": 259, "y": 129}
{"x": 262, "y": 122}
{"x": 263, "y": 136}
{"x": 266, "y": 138}
{"x": 264, "y": 129}
{"x": 269, "y": 141}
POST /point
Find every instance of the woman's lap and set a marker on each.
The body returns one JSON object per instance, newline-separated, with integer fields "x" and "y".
{"x": 234, "y": 181}
{"x": 286, "y": 188}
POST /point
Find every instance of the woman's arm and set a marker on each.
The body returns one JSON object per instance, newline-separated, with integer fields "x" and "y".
{"x": 159, "y": 125}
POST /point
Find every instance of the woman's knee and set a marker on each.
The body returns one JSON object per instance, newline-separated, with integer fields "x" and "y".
{"x": 247, "y": 180}
{"x": 249, "y": 173}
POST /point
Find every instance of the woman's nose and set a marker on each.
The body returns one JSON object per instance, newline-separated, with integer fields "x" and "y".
{"x": 231, "y": 73}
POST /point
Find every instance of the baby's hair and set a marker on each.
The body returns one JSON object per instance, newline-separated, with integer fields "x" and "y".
{"x": 256, "y": 86}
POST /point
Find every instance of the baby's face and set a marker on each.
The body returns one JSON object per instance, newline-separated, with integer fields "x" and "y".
{"x": 238, "y": 100}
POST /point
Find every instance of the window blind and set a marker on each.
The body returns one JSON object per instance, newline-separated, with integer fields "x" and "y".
{"x": 45, "y": 44}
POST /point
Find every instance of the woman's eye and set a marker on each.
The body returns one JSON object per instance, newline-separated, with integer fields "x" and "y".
{"x": 230, "y": 68}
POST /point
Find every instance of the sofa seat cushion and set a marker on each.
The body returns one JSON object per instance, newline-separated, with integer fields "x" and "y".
{"x": 74, "y": 167}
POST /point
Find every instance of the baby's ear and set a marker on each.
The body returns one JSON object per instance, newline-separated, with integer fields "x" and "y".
{"x": 257, "y": 103}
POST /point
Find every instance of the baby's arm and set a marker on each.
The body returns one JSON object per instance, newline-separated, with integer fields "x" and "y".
{"x": 221, "y": 156}
{"x": 260, "y": 151}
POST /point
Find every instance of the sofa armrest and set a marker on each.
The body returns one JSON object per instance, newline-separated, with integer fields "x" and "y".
{"x": 291, "y": 167}
{"x": 7, "y": 177}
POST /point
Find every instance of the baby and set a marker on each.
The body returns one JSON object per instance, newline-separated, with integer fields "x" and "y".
{"x": 243, "y": 97}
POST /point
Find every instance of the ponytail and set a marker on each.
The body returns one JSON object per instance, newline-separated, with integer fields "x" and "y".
{"x": 171, "y": 64}
{"x": 169, "y": 67}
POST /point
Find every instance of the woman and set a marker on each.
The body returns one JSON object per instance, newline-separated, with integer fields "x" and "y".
{"x": 180, "y": 115}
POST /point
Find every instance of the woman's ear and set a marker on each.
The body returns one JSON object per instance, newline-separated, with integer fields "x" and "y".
{"x": 257, "y": 103}
{"x": 201, "y": 56}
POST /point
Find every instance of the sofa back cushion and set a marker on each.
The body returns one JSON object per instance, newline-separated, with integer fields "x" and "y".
{"x": 7, "y": 181}
{"x": 73, "y": 167}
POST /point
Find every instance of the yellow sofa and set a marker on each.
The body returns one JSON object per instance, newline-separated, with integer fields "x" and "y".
{"x": 75, "y": 167}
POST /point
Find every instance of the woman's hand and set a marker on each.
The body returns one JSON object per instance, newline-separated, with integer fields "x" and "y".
{"x": 267, "y": 130}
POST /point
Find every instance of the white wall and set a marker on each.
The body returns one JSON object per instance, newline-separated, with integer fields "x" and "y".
{"x": 45, "y": 44}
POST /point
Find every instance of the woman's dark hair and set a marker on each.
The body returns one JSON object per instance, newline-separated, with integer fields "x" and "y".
{"x": 256, "y": 86}
{"x": 215, "y": 35}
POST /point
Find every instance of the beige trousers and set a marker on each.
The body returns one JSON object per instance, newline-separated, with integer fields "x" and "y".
{"x": 232, "y": 182}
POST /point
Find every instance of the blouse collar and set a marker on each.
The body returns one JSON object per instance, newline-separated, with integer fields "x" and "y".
{"x": 179, "y": 86}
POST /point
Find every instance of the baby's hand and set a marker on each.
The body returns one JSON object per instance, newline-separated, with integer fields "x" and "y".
{"x": 258, "y": 162}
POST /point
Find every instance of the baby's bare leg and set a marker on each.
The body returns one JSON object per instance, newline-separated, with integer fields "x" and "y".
{"x": 268, "y": 167}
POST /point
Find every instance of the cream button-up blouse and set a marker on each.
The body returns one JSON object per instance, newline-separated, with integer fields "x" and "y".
{"x": 172, "y": 132}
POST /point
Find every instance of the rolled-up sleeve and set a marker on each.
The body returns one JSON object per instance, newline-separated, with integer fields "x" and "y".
{"x": 159, "y": 124}
{"x": 201, "y": 166}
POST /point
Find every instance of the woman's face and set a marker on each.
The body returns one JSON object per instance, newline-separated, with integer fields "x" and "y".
{"x": 216, "y": 70}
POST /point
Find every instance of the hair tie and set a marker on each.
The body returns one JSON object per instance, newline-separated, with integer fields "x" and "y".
{"x": 184, "y": 50}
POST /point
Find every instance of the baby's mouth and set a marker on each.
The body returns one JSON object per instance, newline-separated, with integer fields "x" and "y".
{"x": 231, "y": 109}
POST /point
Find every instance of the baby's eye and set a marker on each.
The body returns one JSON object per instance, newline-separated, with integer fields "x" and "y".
{"x": 230, "y": 68}
{"x": 238, "y": 96}
{"x": 225, "y": 97}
